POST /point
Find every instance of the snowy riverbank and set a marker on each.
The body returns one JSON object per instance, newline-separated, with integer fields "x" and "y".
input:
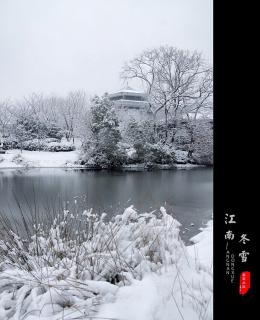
{"x": 45, "y": 159}
{"x": 134, "y": 267}
{"x": 38, "y": 159}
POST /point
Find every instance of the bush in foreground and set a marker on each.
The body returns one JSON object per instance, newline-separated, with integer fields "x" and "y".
{"x": 76, "y": 262}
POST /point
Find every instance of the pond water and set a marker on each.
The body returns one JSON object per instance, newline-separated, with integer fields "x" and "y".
{"x": 186, "y": 194}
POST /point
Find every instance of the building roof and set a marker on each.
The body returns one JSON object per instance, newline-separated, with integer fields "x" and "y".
{"x": 128, "y": 90}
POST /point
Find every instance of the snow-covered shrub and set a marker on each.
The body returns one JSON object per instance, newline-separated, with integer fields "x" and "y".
{"x": 29, "y": 127}
{"x": 203, "y": 143}
{"x": 74, "y": 249}
{"x": 10, "y": 143}
{"x": 53, "y": 131}
{"x": 59, "y": 146}
{"x": 180, "y": 156}
{"x": 140, "y": 151}
{"x": 104, "y": 249}
{"x": 166, "y": 132}
{"x": 141, "y": 136}
{"x": 47, "y": 145}
{"x": 34, "y": 145}
{"x": 151, "y": 153}
{"x": 131, "y": 155}
{"x": 182, "y": 139}
{"x": 158, "y": 153}
{"x": 33, "y": 128}
{"x": 127, "y": 152}
{"x": 140, "y": 131}
{"x": 77, "y": 261}
{"x": 50, "y": 140}
{"x": 203, "y": 158}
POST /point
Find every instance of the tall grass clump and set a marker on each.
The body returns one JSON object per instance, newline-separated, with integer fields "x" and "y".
{"x": 70, "y": 251}
{"x": 66, "y": 263}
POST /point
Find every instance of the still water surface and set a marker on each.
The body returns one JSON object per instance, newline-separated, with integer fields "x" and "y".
{"x": 187, "y": 194}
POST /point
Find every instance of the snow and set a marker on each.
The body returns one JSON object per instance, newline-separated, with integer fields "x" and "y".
{"x": 44, "y": 159}
{"x": 127, "y": 89}
{"x": 152, "y": 297}
{"x": 203, "y": 244}
{"x": 188, "y": 166}
{"x": 181, "y": 157}
{"x": 163, "y": 279}
{"x": 38, "y": 159}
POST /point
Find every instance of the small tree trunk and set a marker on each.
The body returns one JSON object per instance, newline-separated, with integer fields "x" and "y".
{"x": 192, "y": 140}
{"x": 166, "y": 125}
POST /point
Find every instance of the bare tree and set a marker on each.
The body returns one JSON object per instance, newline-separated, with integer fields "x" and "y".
{"x": 26, "y": 107}
{"x": 42, "y": 107}
{"x": 5, "y": 117}
{"x": 178, "y": 82}
{"x": 202, "y": 103}
{"x": 66, "y": 113}
{"x": 73, "y": 110}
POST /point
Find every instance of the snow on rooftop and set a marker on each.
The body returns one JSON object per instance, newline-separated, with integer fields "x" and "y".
{"x": 128, "y": 89}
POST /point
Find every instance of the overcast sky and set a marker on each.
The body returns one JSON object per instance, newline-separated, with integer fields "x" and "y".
{"x": 55, "y": 46}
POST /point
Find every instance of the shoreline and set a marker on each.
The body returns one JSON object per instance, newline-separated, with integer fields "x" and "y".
{"x": 123, "y": 168}
{"x": 14, "y": 159}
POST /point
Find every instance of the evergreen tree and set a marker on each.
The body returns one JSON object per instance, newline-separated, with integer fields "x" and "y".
{"x": 102, "y": 148}
{"x": 140, "y": 135}
{"x": 21, "y": 134}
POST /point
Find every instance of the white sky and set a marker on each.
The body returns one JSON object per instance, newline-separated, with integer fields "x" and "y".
{"x": 55, "y": 46}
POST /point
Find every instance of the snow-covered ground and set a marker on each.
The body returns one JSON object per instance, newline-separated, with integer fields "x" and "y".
{"x": 202, "y": 250}
{"x": 38, "y": 159}
{"x": 185, "y": 292}
{"x": 45, "y": 159}
{"x": 160, "y": 278}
